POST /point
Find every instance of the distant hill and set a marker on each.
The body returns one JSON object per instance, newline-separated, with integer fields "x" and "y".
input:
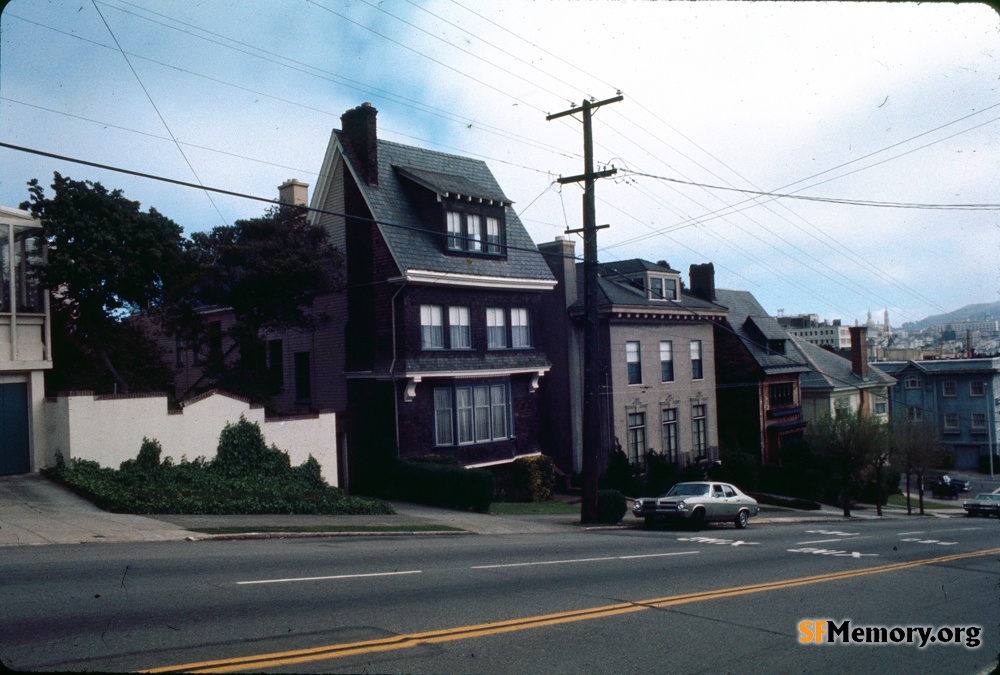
{"x": 986, "y": 311}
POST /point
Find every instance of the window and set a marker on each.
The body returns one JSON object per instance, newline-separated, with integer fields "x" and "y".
{"x": 662, "y": 288}
{"x": 496, "y": 328}
{"x": 475, "y": 414}
{"x": 459, "y": 328}
{"x": 781, "y": 394}
{"x": 443, "y": 418}
{"x": 978, "y": 421}
{"x": 699, "y": 429}
{"x": 303, "y": 378}
{"x": 493, "y": 235}
{"x": 697, "y": 371}
{"x": 912, "y": 382}
{"x": 520, "y": 329}
{"x": 636, "y": 437}
{"x": 666, "y": 361}
{"x": 914, "y": 414}
{"x": 948, "y": 388}
{"x": 669, "y": 418}
{"x": 977, "y": 388}
{"x": 474, "y": 232}
{"x": 431, "y": 327}
{"x": 881, "y": 408}
{"x": 633, "y": 362}
{"x": 951, "y": 422}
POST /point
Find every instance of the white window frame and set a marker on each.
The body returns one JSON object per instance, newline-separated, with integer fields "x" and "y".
{"x": 670, "y": 438}
{"x": 697, "y": 357}
{"x": 520, "y": 328}
{"x": 949, "y": 388}
{"x": 472, "y": 414}
{"x": 431, "y": 327}
{"x": 459, "y": 328}
{"x": 912, "y": 381}
{"x": 633, "y": 362}
{"x": 666, "y": 360}
{"x": 699, "y": 429}
{"x": 496, "y": 328}
{"x": 977, "y": 391}
{"x": 636, "y": 422}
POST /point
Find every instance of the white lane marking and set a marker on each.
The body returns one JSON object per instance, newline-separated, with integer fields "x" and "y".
{"x": 719, "y": 542}
{"x": 655, "y": 555}
{"x": 835, "y": 553}
{"x": 833, "y": 533}
{"x": 933, "y": 541}
{"x": 903, "y": 534}
{"x": 338, "y": 576}
{"x": 578, "y": 560}
{"x": 827, "y": 541}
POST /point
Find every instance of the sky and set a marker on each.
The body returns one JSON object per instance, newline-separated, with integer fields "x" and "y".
{"x": 831, "y": 158}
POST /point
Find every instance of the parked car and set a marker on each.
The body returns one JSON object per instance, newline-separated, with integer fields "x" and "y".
{"x": 697, "y": 503}
{"x": 983, "y": 505}
{"x": 943, "y": 484}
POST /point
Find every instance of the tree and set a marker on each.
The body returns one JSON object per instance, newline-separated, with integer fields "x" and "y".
{"x": 106, "y": 261}
{"x": 266, "y": 271}
{"x": 851, "y": 445}
{"x": 916, "y": 444}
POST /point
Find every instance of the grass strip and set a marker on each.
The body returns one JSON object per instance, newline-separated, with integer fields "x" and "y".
{"x": 270, "y": 529}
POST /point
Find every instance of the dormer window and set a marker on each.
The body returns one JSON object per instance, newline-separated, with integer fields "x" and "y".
{"x": 475, "y": 232}
{"x": 662, "y": 288}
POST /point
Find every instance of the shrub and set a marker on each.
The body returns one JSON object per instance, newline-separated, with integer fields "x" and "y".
{"x": 611, "y": 506}
{"x": 534, "y": 478}
{"x": 450, "y": 486}
{"x": 984, "y": 463}
{"x": 242, "y": 452}
{"x": 621, "y": 475}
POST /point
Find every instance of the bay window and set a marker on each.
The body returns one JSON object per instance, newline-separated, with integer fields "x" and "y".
{"x": 464, "y": 415}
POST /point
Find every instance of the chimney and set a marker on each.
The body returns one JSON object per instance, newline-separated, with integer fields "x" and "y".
{"x": 293, "y": 192}
{"x": 360, "y": 137}
{"x": 859, "y": 351}
{"x": 702, "y": 278}
{"x": 561, "y": 258}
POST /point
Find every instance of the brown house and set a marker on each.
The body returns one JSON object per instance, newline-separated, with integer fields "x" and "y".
{"x": 757, "y": 370}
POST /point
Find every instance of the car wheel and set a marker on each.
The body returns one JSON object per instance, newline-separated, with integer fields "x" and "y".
{"x": 698, "y": 519}
{"x": 741, "y": 519}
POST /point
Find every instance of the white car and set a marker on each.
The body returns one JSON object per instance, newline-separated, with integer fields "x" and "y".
{"x": 697, "y": 503}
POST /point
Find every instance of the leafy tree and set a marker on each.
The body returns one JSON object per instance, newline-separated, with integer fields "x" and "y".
{"x": 106, "y": 261}
{"x": 851, "y": 445}
{"x": 915, "y": 443}
{"x": 266, "y": 271}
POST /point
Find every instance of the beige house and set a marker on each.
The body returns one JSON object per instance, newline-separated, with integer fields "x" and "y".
{"x": 658, "y": 388}
{"x": 25, "y": 343}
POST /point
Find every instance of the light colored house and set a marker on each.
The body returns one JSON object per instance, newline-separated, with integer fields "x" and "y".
{"x": 658, "y": 388}
{"x": 834, "y": 383}
{"x": 25, "y": 343}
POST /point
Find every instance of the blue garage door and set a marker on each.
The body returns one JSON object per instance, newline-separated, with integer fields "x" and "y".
{"x": 14, "y": 445}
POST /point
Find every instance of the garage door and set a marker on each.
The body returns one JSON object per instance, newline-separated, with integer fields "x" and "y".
{"x": 14, "y": 445}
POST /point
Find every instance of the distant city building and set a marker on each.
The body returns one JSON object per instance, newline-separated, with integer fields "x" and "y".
{"x": 808, "y": 328}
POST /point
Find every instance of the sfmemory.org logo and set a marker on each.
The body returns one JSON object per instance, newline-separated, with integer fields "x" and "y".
{"x": 828, "y": 631}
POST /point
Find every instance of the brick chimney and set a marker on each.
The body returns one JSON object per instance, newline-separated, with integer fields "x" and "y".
{"x": 561, "y": 258}
{"x": 293, "y": 192}
{"x": 702, "y": 278}
{"x": 361, "y": 139}
{"x": 859, "y": 351}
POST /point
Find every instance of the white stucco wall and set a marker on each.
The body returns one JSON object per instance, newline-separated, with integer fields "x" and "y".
{"x": 110, "y": 429}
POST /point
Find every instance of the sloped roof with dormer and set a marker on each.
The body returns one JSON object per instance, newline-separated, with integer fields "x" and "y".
{"x": 415, "y": 244}
{"x": 616, "y": 291}
{"x": 742, "y": 307}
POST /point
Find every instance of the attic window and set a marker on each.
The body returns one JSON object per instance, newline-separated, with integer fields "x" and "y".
{"x": 475, "y": 229}
{"x": 662, "y": 288}
{"x": 776, "y": 346}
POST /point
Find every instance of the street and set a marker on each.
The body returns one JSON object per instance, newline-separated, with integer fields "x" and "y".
{"x": 590, "y": 601}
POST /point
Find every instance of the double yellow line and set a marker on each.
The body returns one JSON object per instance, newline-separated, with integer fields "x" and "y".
{"x": 336, "y": 651}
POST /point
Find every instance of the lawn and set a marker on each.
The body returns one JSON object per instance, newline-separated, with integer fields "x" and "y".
{"x": 900, "y": 500}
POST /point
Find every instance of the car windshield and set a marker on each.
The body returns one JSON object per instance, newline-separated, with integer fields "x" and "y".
{"x": 990, "y": 498}
{"x": 688, "y": 490}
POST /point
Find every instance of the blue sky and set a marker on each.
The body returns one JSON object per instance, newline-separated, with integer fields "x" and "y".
{"x": 891, "y": 103}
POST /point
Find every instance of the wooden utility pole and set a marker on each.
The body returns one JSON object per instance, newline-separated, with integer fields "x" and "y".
{"x": 591, "y": 345}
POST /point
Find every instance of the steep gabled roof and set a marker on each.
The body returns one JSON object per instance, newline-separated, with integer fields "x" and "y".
{"x": 616, "y": 290}
{"x": 414, "y": 246}
{"x": 831, "y": 371}
{"x": 743, "y": 306}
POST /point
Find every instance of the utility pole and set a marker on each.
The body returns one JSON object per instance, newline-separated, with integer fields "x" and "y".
{"x": 591, "y": 345}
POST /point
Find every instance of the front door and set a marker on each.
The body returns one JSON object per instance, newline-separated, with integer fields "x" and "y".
{"x": 15, "y": 447}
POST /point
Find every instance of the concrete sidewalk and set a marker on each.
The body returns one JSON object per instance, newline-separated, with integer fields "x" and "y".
{"x": 35, "y": 510}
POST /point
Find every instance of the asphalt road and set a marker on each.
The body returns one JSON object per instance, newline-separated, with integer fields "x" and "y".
{"x": 718, "y": 600}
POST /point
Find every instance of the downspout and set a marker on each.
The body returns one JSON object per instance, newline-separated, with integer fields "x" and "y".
{"x": 392, "y": 367}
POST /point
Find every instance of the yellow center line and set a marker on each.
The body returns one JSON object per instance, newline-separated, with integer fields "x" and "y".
{"x": 407, "y": 641}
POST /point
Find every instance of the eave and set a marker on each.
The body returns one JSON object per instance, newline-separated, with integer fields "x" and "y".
{"x": 430, "y": 277}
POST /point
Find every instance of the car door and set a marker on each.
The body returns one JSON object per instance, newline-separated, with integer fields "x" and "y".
{"x": 733, "y": 501}
{"x": 716, "y": 507}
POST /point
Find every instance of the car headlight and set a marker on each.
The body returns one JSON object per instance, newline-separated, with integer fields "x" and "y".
{"x": 681, "y": 506}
